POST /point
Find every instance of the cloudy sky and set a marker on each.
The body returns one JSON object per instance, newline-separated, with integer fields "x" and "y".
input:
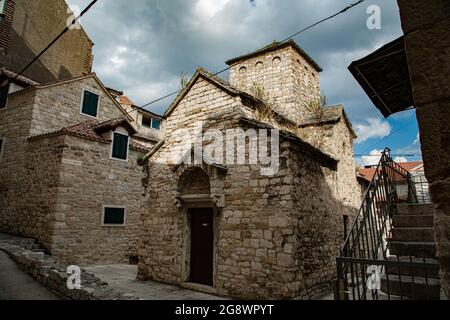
{"x": 144, "y": 46}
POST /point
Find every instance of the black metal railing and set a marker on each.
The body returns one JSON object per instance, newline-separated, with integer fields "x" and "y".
{"x": 365, "y": 266}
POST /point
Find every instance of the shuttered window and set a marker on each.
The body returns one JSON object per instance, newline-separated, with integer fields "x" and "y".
{"x": 113, "y": 216}
{"x": 120, "y": 146}
{"x": 90, "y": 104}
{"x": 3, "y": 96}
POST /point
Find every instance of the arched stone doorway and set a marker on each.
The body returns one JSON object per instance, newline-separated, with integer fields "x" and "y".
{"x": 200, "y": 199}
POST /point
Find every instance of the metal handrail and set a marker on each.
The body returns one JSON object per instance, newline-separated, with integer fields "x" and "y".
{"x": 372, "y": 226}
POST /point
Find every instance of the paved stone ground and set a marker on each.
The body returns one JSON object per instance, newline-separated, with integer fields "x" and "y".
{"x": 123, "y": 278}
{"x": 17, "y": 285}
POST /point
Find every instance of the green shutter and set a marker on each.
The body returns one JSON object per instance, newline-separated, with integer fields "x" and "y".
{"x": 90, "y": 104}
{"x": 114, "y": 216}
{"x": 120, "y": 146}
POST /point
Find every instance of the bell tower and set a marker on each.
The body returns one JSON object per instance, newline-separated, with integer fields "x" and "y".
{"x": 284, "y": 73}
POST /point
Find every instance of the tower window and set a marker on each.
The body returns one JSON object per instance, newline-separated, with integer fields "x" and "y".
{"x": 242, "y": 70}
{"x": 259, "y": 64}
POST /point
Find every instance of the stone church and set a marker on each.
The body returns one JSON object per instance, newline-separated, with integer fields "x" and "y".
{"x": 227, "y": 226}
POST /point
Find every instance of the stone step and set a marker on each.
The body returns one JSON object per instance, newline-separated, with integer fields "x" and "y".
{"x": 415, "y": 209}
{"x": 415, "y": 249}
{"x": 31, "y": 246}
{"x": 413, "y": 234}
{"x": 411, "y": 287}
{"x": 18, "y": 242}
{"x": 413, "y": 221}
{"x": 417, "y": 271}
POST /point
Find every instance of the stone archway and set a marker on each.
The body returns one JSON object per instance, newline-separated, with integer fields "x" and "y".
{"x": 200, "y": 199}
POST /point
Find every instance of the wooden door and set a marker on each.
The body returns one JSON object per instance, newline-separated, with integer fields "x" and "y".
{"x": 202, "y": 246}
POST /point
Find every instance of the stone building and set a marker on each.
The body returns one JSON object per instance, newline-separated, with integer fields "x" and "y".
{"x": 70, "y": 173}
{"x": 26, "y": 27}
{"x": 223, "y": 223}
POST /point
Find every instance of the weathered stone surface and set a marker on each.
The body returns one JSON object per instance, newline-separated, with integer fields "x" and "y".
{"x": 53, "y": 188}
{"x": 427, "y": 44}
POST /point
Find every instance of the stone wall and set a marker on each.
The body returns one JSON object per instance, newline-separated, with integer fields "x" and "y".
{"x": 15, "y": 122}
{"x": 59, "y": 105}
{"x": 287, "y": 78}
{"x": 337, "y": 140}
{"x": 36, "y": 23}
{"x": 428, "y": 50}
{"x": 88, "y": 180}
{"x": 53, "y": 188}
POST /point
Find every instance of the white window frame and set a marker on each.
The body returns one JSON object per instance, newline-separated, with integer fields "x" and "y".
{"x": 2, "y": 150}
{"x": 82, "y": 102}
{"x": 114, "y": 207}
{"x": 151, "y": 123}
{"x": 112, "y": 147}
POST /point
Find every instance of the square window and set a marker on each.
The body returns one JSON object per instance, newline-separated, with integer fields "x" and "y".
{"x": 156, "y": 124}
{"x": 120, "y": 146}
{"x": 90, "y": 104}
{"x": 113, "y": 216}
{"x": 2, "y": 7}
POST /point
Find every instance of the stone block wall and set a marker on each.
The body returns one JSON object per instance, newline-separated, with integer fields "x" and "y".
{"x": 46, "y": 184}
{"x": 427, "y": 42}
{"x": 59, "y": 106}
{"x": 88, "y": 180}
{"x": 276, "y": 237}
{"x": 15, "y": 122}
{"x": 38, "y": 22}
{"x": 287, "y": 78}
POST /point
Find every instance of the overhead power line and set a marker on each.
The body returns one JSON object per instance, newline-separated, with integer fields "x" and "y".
{"x": 283, "y": 41}
{"x": 389, "y": 136}
{"x": 67, "y": 28}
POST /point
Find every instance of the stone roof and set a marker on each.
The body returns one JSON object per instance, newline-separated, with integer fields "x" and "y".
{"x": 276, "y": 46}
{"x": 224, "y": 85}
{"x": 329, "y": 160}
{"x": 330, "y": 114}
{"x": 92, "y": 129}
{"x": 247, "y": 98}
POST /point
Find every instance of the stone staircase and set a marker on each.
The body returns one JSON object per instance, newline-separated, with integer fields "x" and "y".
{"x": 26, "y": 243}
{"x": 412, "y": 245}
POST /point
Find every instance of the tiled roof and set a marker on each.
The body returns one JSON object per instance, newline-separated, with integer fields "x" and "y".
{"x": 125, "y": 100}
{"x": 369, "y": 173}
{"x": 411, "y": 166}
{"x": 91, "y": 130}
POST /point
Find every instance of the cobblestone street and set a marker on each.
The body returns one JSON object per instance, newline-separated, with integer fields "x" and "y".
{"x": 17, "y": 285}
{"x": 123, "y": 278}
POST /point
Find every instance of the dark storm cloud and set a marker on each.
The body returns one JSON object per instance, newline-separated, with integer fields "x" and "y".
{"x": 143, "y": 46}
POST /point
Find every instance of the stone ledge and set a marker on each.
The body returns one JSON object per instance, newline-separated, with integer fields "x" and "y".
{"x": 52, "y": 275}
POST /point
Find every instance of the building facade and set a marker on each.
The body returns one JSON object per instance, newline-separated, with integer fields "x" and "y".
{"x": 215, "y": 223}
{"x": 70, "y": 173}
{"x": 26, "y": 27}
